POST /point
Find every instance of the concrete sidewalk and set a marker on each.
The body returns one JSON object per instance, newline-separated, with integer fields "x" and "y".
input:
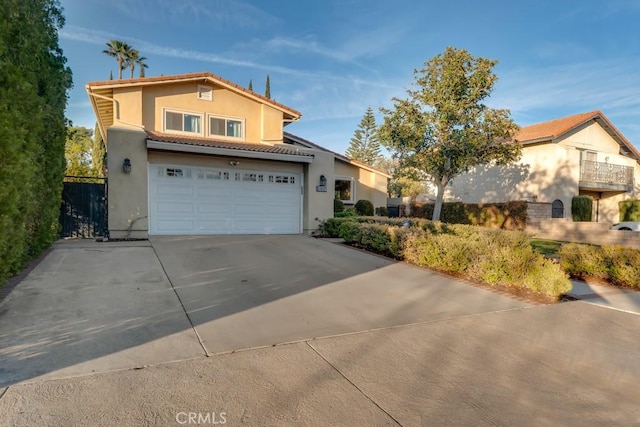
{"x": 608, "y": 296}
{"x": 566, "y": 364}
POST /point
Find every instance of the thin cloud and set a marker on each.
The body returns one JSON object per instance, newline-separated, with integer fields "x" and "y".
{"x": 95, "y": 37}
{"x": 223, "y": 14}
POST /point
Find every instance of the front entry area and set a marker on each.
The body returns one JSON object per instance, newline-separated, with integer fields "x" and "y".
{"x": 195, "y": 200}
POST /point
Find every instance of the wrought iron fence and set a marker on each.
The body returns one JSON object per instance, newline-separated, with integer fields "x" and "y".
{"x": 607, "y": 173}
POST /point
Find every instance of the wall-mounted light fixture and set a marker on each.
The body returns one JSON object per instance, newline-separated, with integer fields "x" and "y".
{"x": 234, "y": 163}
{"x": 323, "y": 180}
{"x": 126, "y": 165}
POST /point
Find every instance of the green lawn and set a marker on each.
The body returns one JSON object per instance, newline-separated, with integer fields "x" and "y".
{"x": 546, "y": 247}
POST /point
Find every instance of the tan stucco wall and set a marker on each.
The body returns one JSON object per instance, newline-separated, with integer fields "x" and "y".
{"x": 369, "y": 185}
{"x": 591, "y": 136}
{"x": 262, "y": 123}
{"x": 128, "y": 108}
{"x": 127, "y": 193}
{"x": 317, "y": 205}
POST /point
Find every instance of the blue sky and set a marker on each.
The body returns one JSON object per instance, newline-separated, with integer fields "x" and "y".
{"x": 331, "y": 59}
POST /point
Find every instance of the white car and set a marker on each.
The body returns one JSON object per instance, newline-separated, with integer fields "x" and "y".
{"x": 627, "y": 226}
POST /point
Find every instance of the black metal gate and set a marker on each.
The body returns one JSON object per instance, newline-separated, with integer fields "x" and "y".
{"x": 83, "y": 213}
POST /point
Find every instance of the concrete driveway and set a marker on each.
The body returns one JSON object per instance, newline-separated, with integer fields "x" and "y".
{"x": 149, "y": 333}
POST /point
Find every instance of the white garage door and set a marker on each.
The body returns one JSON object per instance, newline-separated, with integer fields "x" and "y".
{"x": 200, "y": 200}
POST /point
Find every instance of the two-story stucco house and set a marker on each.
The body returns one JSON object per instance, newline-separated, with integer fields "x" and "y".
{"x": 583, "y": 154}
{"x": 198, "y": 154}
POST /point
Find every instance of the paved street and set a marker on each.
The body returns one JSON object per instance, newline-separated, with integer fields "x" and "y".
{"x": 288, "y": 330}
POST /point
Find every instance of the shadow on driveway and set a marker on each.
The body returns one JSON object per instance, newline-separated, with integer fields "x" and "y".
{"x": 96, "y": 307}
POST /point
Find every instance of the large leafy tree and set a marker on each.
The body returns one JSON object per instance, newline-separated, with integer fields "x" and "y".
{"x": 443, "y": 128}
{"x": 364, "y": 145}
{"x": 78, "y": 151}
{"x": 119, "y": 50}
{"x": 98, "y": 152}
{"x": 34, "y": 80}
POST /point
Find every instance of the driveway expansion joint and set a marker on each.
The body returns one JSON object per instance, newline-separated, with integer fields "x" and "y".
{"x": 353, "y": 384}
{"x": 195, "y": 331}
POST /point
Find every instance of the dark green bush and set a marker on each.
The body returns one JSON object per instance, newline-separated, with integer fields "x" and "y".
{"x": 382, "y": 211}
{"x": 338, "y": 205}
{"x": 509, "y": 215}
{"x": 350, "y": 231}
{"x": 364, "y": 208}
{"x": 582, "y": 208}
{"x": 629, "y": 210}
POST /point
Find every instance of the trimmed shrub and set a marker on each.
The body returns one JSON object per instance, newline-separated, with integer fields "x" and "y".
{"x": 629, "y": 210}
{"x": 382, "y": 211}
{"x": 580, "y": 260}
{"x": 615, "y": 264}
{"x": 582, "y": 208}
{"x": 496, "y": 257}
{"x": 338, "y": 205}
{"x": 364, "y": 208}
{"x": 346, "y": 213}
{"x": 509, "y": 215}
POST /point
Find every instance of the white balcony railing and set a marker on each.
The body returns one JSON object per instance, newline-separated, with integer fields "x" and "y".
{"x": 606, "y": 173}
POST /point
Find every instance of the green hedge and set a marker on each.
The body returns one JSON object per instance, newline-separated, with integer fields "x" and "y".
{"x": 33, "y": 88}
{"x": 364, "y": 208}
{"x": 629, "y": 210}
{"x": 582, "y": 208}
{"x": 495, "y": 257}
{"x": 510, "y": 215}
{"x": 615, "y": 264}
{"x": 338, "y": 205}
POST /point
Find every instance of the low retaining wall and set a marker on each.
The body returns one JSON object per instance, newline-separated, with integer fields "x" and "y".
{"x": 596, "y": 233}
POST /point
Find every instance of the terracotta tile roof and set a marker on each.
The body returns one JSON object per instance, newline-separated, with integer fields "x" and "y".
{"x": 554, "y": 128}
{"x": 240, "y": 146}
{"x": 558, "y": 127}
{"x": 342, "y": 157}
{"x": 186, "y": 77}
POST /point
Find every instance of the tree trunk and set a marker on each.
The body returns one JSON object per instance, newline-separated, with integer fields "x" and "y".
{"x": 119, "y": 68}
{"x": 437, "y": 208}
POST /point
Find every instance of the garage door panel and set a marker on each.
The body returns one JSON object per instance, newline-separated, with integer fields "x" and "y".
{"x": 212, "y": 201}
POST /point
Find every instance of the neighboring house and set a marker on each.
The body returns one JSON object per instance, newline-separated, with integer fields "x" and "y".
{"x": 198, "y": 154}
{"x": 582, "y": 154}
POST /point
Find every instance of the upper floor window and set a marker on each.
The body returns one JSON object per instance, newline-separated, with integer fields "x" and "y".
{"x": 176, "y": 121}
{"x": 227, "y": 127}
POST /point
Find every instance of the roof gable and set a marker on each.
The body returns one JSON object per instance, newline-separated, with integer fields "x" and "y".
{"x": 306, "y": 143}
{"x": 553, "y": 129}
{"x": 205, "y": 77}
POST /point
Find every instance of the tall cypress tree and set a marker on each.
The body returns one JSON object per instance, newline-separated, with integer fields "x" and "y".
{"x": 267, "y": 89}
{"x": 250, "y": 87}
{"x": 365, "y": 145}
{"x": 34, "y": 80}
{"x": 98, "y": 152}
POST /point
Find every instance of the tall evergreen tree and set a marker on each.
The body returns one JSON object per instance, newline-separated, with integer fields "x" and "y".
{"x": 250, "y": 87}
{"x": 365, "y": 145}
{"x": 267, "y": 90}
{"x": 34, "y": 80}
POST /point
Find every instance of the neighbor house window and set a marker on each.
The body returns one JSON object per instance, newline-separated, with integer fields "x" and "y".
{"x": 175, "y": 121}
{"x": 205, "y": 93}
{"x": 345, "y": 189}
{"x": 227, "y": 127}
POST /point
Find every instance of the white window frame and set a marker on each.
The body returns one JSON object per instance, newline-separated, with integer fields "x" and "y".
{"x": 182, "y": 132}
{"x": 353, "y": 187}
{"x": 231, "y": 138}
{"x": 205, "y": 93}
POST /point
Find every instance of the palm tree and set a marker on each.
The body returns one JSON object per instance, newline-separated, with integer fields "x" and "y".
{"x": 118, "y": 49}
{"x": 142, "y": 64}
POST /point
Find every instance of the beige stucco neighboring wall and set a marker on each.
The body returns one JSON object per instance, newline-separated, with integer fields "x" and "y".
{"x": 128, "y": 107}
{"x": 262, "y": 123}
{"x": 369, "y": 185}
{"x": 127, "y": 193}
{"x": 544, "y": 173}
{"x": 590, "y": 136}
